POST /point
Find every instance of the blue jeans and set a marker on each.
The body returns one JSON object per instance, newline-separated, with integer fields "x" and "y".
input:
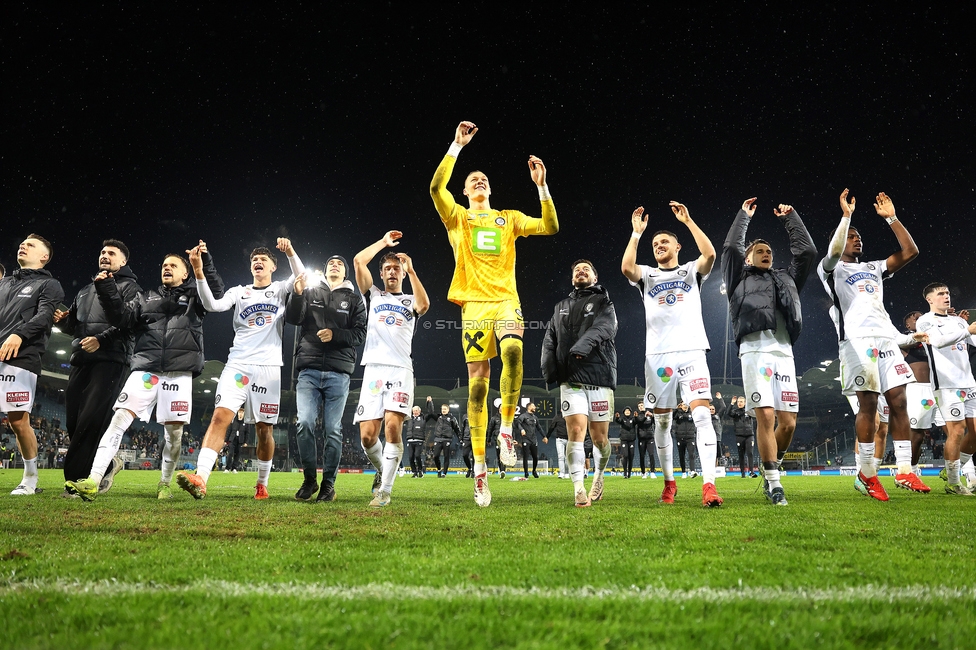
{"x": 318, "y": 388}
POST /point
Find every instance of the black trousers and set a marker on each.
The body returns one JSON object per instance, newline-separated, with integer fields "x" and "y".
{"x": 416, "y": 448}
{"x": 627, "y": 456}
{"x": 645, "y": 447}
{"x": 236, "y": 457}
{"x": 745, "y": 450}
{"x": 442, "y": 446}
{"x": 467, "y": 455}
{"x": 686, "y": 445}
{"x": 92, "y": 390}
{"x": 529, "y": 449}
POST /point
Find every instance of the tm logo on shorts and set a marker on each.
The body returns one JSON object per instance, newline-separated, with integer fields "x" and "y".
{"x": 486, "y": 241}
{"x": 665, "y": 374}
{"x": 149, "y": 380}
{"x": 241, "y": 380}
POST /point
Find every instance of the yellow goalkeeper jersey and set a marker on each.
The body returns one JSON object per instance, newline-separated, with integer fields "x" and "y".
{"x": 484, "y": 242}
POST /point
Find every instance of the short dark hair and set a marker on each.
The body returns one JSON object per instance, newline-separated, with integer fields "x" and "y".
{"x": 115, "y": 243}
{"x": 932, "y": 286}
{"x": 47, "y": 244}
{"x": 665, "y": 232}
{"x": 390, "y": 257}
{"x": 833, "y": 231}
{"x": 186, "y": 262}
{"x": 261, "y": 250}
{"x": 904, "y": 321}
{"x": 584, "y": 261}
{"x": 756, "y": 242}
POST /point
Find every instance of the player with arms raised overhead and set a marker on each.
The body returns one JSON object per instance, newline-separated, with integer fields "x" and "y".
{"x": 676, "y": 342}
{"x": 388, "y": 382}
{"x": 483, "y": 240}
{"x": 252, "y": 375}
{"x": 871, "y": 363}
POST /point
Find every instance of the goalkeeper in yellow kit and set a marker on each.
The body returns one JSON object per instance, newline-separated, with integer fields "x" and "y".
{"x": 484, "y": 286}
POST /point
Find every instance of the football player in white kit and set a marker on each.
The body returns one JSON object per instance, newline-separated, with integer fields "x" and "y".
{"x": 387, "y": 392}
{"x": 871, "y": 363}
{"x": 252, "y": 375}
{"x": 951, "y": 375}
{"x": 675, "y": 343}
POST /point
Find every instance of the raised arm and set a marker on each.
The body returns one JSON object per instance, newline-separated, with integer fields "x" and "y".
{"x": 203, "y": 288}
{"x": 548, "y": 224}
{"x": 706, "y": 258}
{"x": 628, "y": 266}
{"x": 421, "y": 301}
{"x": 294, "y": 262}
{"x": 909, "y": 251}
{"x": 839, "y": 241}
{"x": 295, "y": 307}
{"x": 801, "y": 245}
{"x": 734, "y": 248}
{"x": 364, "y": 279}
{"x": 444, "y": 200}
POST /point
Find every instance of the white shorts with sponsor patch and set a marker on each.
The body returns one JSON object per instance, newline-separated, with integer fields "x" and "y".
{"x": 770, "y": 381}
{"x": 172, "y": 395}
{"x": 882, "y": 406}
{"x": 664, "y": 373}
{"x": 385, "y": 388}
{"x": 956, "y": 404}
{"x": 923, "y": 412}
{"x": 18, "y": 388}
{"x": 595, "y": 402}
{"x": 257, "y": 388}
{"x": 872, "y": 364}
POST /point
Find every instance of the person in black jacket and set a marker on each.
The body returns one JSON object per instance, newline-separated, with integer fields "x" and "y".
{"x": 628, "y": 439}
{"x": 745, "y": 435}
{"x": 764, "y": 305}
{"x": 466, "y": 451}
{"x": 237, "y": 438}
{"x": 167, "y": 355}
{"x": 685, "y": 434}
{"x": 528, "y": 427}
{"x": 445, "y": 429}
{"x": 491, "y": 433}
{"x": 333, "y": 321}
{"x": 645, "y": 439}
{"x": 28, "y": 299}
{"x": 415, "y": 433}
{"x": 578, "y": 353}
{"x": 99, "y": 365}
{"x": 557, "y": 427}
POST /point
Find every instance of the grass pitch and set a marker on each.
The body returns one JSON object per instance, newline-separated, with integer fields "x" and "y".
{"x": 833, "y": 569}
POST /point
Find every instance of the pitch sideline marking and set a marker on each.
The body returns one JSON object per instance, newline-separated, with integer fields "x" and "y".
{"x": 393, "y": 592}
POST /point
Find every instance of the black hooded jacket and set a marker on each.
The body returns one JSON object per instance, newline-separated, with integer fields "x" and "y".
{"x": 28, "y": 298}
{"x": 340, "y": 310}
{"x": 578, "y": 347}
{"x": 87, "y": 318}
{"x": 755, "y": 295}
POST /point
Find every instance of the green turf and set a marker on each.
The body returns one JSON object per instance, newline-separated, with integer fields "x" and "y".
{"x": 832, "y": 569}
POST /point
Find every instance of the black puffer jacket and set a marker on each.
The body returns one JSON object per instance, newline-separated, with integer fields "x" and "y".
{"x": 415, "y": 428}
{"x": 645, "y": 424}
{"x": 743, "y": 424}
{"x": 87, "y": 318}
{"x": 756, "y": 295}
{"x": 557, "y": 426}
{"x": 683, "y": 425}
{"x": 584, "y": 324}
{"x": 340, "y": 310}
{"x": 28, "y": 298}
{"x": 628, "y": 426}
{"x": 528, "y": 422}
{"x": 167, "y": 322}
{"x": 446, "y": 427}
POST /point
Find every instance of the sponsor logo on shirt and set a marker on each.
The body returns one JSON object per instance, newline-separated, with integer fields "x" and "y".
{"x": 259, "y": 315}
{"x": 673, "y": 285}
{"x": 486, "y": 241}
{"x": 391, "y": 318}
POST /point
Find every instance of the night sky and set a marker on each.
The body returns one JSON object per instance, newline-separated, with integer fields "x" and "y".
{"x": 160, "y": 126}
